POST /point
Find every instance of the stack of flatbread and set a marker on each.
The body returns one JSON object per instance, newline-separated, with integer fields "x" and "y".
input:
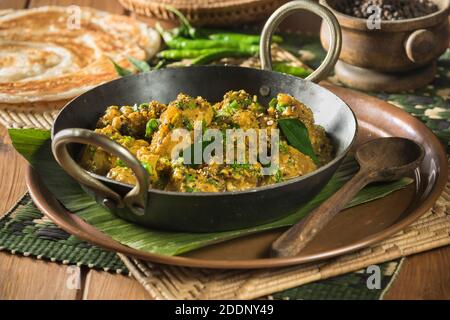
{"x": 50, "y": 55}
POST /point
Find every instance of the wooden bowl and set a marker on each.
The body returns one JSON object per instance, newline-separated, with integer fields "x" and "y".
{"x": 397, "y": 46}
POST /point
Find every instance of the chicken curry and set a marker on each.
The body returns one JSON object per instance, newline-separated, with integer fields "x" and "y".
{"x": 145, "y": 130}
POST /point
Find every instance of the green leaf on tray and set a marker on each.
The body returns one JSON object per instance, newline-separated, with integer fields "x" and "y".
{"x": 35, "y": 146}
{"x": 28, "y": 141}
{"x": 297, "y": 135}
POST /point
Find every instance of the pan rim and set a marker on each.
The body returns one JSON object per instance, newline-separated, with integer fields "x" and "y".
{"x": 333, "y": 162}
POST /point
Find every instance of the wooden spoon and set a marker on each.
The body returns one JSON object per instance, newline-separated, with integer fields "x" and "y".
{"x": 383, "y": 159}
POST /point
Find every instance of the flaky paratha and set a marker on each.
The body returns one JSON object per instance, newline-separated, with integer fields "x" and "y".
{"x": 56, "y": 53}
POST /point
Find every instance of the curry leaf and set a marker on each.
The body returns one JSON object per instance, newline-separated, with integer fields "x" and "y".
{"x": 141, "y": 66}
{"x": 123, "y": 72}
{"x": 297, "y": 134}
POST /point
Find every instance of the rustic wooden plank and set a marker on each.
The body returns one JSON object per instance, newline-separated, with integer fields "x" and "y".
{"x": 112, "y": 286}
{"x": 21, "y": 277}
{"x": 423, "y": 276}
{"x": 25, "y": 278}
{"x": 107, "y": 5}
{"x": 102, "y": 285}
{"x": 12, "y": 4}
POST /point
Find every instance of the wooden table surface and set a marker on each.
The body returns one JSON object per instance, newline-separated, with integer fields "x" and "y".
{"x": 423, "y": 276}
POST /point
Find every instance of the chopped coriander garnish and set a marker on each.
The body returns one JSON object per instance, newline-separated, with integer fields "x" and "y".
{"x": 281, "y": 107}
{"x": 273, "y": 103}
{"x": 128, "y": 139}
{"x": 120, "y": 163}
{"x": 147, "y": 166}
{"x": 187, "y": 105}
{"x": 187, "y": 123}
{"x": 247, "y": 102}
{"x": 189, "y": 178}
{"x": 243, "y": 166}
{"x": 283, "y": 147}
{"x": 212, "y": 181}
{"x": 189, "y": 189}
{"x": 143, "y": 106}
{"x": 151, "y": 127}
{"x": 278, "y": 176}
{"x": 234, "y": 105}
{"x": 229, "y": 110}
{"x": 260, "y": 107}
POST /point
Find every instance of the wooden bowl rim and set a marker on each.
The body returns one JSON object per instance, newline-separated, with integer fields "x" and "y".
{"x": 431, "y": 20}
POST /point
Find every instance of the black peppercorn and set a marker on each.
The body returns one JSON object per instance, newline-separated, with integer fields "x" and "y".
{"x": 389, "y": 9}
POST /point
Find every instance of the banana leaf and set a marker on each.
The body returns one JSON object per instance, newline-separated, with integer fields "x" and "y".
{"x": 34, "y": 145}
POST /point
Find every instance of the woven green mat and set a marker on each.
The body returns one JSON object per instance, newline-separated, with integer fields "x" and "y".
{"x": 350, "y": 286}
{"x": 26, "y": 231}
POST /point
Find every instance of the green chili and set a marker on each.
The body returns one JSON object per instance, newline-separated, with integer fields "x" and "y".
{"x": 205, "y": 38}
{"x": 241, "y": 38}
{"x": 208, "y": 54}
{"x": 224, "y": 53}
{"x": 166, "y": 35}
{"x": 185, "y": 28}
{"x": 295, "y": 71}
{"x": 199, "y": 44}
{"x": 176, "y": 54}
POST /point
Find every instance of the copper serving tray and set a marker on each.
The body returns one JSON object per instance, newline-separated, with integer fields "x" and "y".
{"x": 351, "y": 230}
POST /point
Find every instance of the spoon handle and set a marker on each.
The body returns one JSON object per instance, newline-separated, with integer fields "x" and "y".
{"x": 295, "y": 239}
